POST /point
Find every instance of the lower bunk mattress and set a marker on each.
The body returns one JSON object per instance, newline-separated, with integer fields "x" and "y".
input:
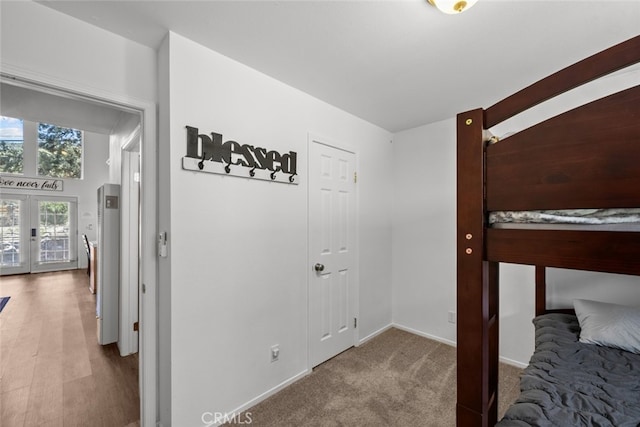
{"x": 569, "y": 383}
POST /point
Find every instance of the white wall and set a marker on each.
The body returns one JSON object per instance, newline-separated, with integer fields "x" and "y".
{"x": 424, "y": 227}
{"x": 164, "y": 224}
{"x": 127, "y": 131}
{"x": 96, "y": 173}
{"x": 424, "y": 269}
{"x": 238, "y": 254}
{"x": 34, "y": 35}
{"x": 424, "y": 261}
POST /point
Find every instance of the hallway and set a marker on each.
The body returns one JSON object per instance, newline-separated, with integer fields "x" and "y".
{"x": 54, "y": 373}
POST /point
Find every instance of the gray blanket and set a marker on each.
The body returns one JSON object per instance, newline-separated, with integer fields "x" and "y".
{"x": 568, "y": 216}
{"x": 568, "y": 383}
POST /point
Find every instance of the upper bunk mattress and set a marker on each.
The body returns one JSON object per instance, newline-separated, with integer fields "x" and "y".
{"x": 569, "y": 383}
{"x": 624, "y": 219}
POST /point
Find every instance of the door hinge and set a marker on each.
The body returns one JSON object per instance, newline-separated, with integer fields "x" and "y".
{"x": 355, "y": 322}
{"x": 144, "y": 288}
{"x": 355, "y": 177}
{"x": 135, "y": 326}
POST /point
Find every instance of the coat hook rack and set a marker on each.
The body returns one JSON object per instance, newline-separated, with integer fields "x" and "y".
{"x": 201, "y": 162}
{"x": 211, "y": 154}
{"x": 273, "y": 174}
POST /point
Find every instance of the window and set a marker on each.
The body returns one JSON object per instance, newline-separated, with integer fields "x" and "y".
{"x": 11, "y": 145}
{"x": 59, "y": 151}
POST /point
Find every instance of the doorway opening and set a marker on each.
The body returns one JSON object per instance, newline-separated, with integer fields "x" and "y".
{"x": 138, "y": 124}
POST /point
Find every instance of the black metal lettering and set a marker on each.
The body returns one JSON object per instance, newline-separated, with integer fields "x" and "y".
{"x": 260, "y": 155}
{"x": 192, "y": 142}
{"x": 216, "y": 147}
{"x": 246, "y": 150}
{"x": 237, "y": 153}
{"x": 289, "y": 162}
{"x": 225, "y": 152}
{"x": 273, "y": 158}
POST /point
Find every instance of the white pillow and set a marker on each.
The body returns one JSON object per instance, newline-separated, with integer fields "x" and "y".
{"x": 610, "y": 325}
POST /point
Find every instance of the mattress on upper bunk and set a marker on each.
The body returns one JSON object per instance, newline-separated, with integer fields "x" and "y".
{"x": 569, "y": 383}
{"x": 623, "y": 219}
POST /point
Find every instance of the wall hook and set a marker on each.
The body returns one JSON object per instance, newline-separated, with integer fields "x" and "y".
{"x": 291, "y": 178}
{"x": 252, "y": 172}
{"x": 227, "y": 168}
{"x": 201, "y": 162}
{"x": 273, "y": 174}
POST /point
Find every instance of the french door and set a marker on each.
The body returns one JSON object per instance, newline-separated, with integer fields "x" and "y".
{"x": 38, "y": 233}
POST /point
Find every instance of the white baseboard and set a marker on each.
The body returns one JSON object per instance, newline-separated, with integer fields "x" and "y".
{"x": 512, "y": 362}
{"x": 271, "y": 392}
{"x": 424, "y": 334}
{"x": 374, "y": 334}
{"x": 505, "y": 360}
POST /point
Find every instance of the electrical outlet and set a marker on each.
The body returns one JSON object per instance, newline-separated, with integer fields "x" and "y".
{"x": 452, "y": 317}
{"x": 275, "y": 352}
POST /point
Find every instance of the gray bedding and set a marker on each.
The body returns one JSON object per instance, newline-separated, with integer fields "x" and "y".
{"x": 568, "y": 383}
{"x": 568, "y": 216}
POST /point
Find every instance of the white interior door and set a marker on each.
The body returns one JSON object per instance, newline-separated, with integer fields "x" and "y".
{"x": 332, "y": 229}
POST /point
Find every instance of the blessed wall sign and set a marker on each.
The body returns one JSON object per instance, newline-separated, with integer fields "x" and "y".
{"x": 207, "y": 153}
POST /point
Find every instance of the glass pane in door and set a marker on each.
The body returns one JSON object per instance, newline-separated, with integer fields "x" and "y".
{"x": 54, "y": 226}
{"x": 10, "y": 222}
{"x": 14, "y": 234}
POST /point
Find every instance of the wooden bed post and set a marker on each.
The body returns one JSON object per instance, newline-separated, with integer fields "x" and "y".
{"x": 541, "y": 290}
{"x": 477, "y": 284}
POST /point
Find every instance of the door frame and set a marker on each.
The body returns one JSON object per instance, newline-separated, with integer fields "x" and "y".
{"x": 129, "y": 251}
{"x": 313, "y": 138}
{"x": 148, "y": 360}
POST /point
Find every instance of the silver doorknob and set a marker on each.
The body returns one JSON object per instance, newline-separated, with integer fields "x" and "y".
{"x": 319, "y": 267}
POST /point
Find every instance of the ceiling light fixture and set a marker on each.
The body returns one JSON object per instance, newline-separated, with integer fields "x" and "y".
{"x": 452, "y": 7}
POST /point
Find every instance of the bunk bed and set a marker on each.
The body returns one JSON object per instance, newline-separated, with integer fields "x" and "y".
{"x": 585, "y": 158}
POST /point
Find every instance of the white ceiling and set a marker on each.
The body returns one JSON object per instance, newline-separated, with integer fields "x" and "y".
{"x": 397, "y": 63}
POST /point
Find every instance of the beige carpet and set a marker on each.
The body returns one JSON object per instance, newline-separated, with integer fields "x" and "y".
{"x": 395, "y": 379}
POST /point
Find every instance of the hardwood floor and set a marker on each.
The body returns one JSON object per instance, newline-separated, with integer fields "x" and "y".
{"x": 54, "y": 372}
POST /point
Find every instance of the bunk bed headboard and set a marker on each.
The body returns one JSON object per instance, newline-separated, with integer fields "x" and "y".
{"x": 588, "y": 157}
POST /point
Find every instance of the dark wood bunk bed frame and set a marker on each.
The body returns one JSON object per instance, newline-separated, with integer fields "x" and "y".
{"x": 588, "y": 157}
